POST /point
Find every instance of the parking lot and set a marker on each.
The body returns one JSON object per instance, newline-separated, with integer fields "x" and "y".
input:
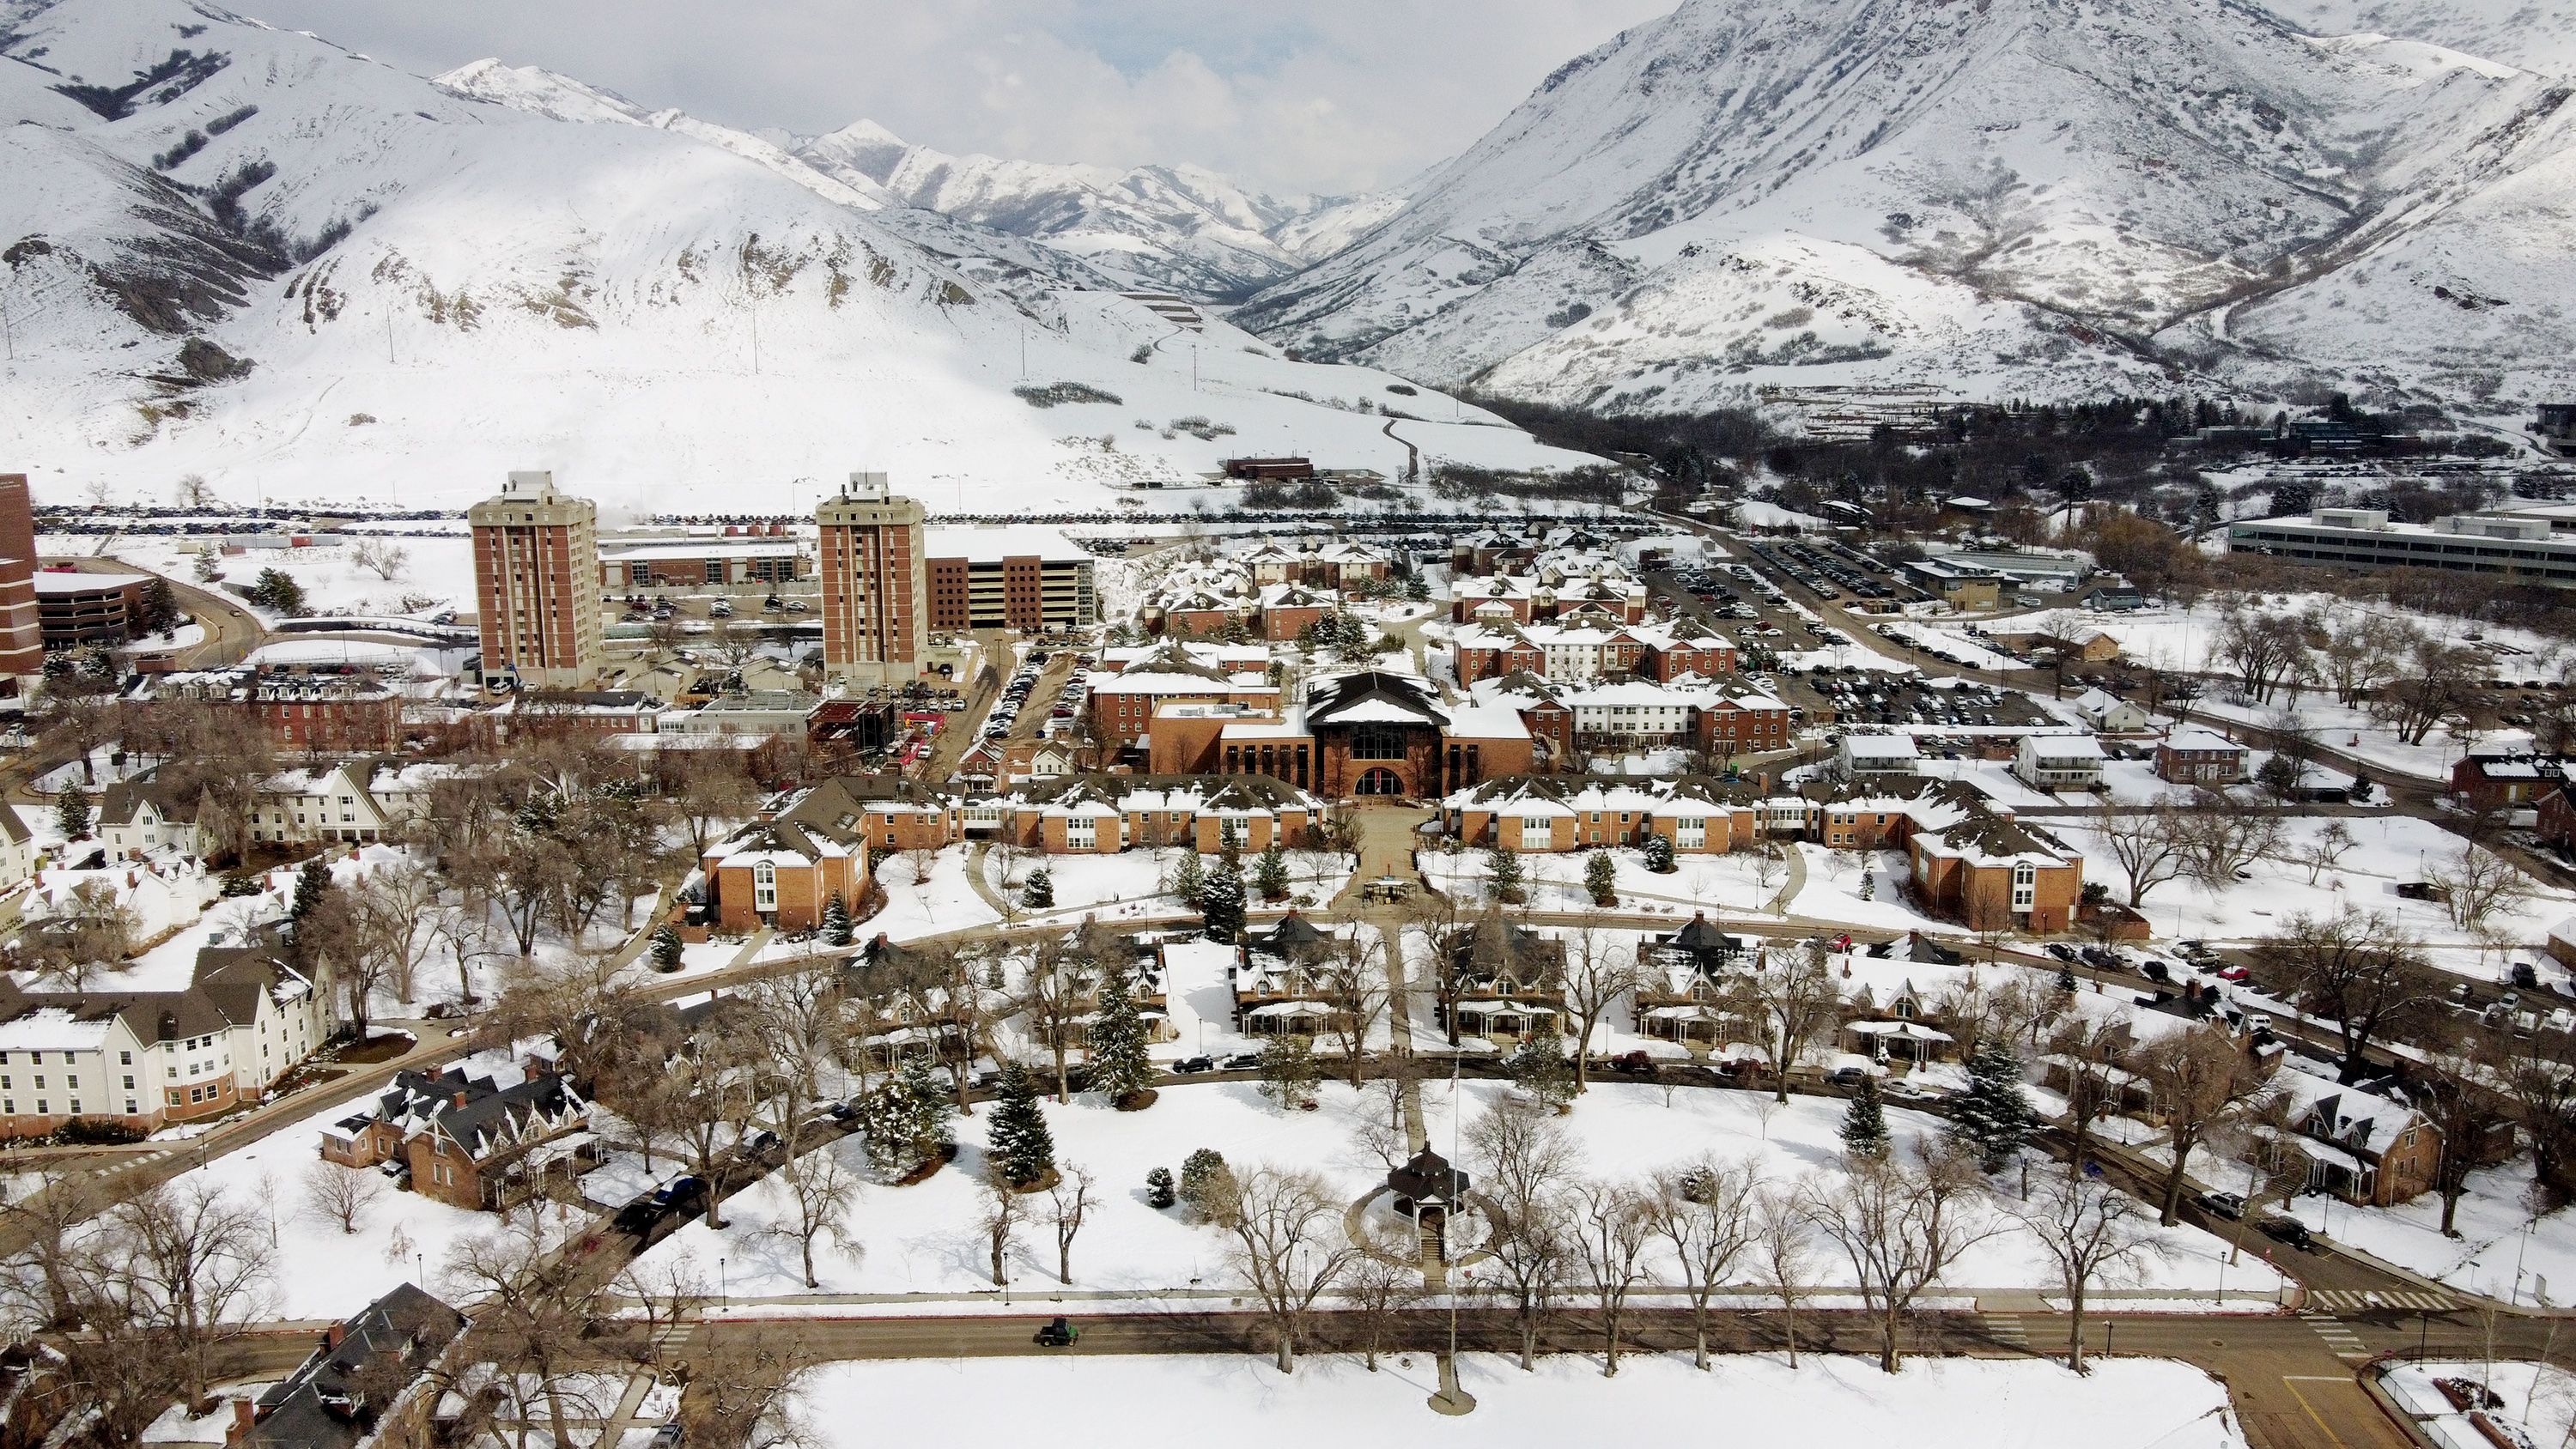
{"x": 1858, "y": 696}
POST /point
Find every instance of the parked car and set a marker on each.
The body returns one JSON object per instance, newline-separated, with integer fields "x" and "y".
{"x": 1191, "y": 1066}
{"x": 1241, "y": 1062}
{"x": 2292, "y": 1232}
{"x": 666, "y": 1437}
{"x": 1846, "y": 1076}
{"x": 2228, "y": 1205}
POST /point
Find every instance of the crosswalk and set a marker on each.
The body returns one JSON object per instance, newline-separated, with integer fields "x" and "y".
{"x": 2006, "y": 1330}
{"x": 2358, "y": 1300}
{"x": 2335, "y": 1332}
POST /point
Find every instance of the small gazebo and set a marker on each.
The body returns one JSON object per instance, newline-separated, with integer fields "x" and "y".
{"x": 1426, "y": 1187}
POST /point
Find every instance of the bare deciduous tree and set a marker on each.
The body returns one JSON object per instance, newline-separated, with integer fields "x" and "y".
{"x": 191, "y": 1263}
{"x": 1069, "y": 1204}
{"x": 2096, "y": 1235}
{"x": 1285, "y": 1240}
{"x": 340, "y": 1195}
{"x": 1600, "y": 969}
{"x": 1900, "y": 1222}
{"x": 1784, "y": 1253}
{"x": 742, "y": 1389}
{"x": 820, "y": 1192}
{"x": 2356, "y": 969}
{"x": 2200, "y": 1080}
{"x": 1000, "y": 1212}
{"x": 2150, "y": 846}
{"x": 381, "y": 557}
{"x": 1793, "y": 1000}
{"x": 1526, "y": 1163}
{"x": 1613, "y": 1222}
{"x": 1704, "y": 1212}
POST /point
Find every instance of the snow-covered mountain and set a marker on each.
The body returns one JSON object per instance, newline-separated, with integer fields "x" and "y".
{"x": 244, "y": 252}
{"x": 1177, "y": 227}
{"x": 2025, "y": 197}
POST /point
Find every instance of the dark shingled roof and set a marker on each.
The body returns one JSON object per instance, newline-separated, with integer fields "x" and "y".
{"x": 1331, "y": 698}
{"x": 335, "y": 1398}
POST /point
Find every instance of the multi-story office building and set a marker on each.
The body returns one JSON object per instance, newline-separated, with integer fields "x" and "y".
{"x": 876, "y": 586}
{"x": 2530, "y": 543}
{"x": 536, "y": 585}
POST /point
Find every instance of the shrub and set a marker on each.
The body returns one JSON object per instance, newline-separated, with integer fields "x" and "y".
{"x": 1056, "y": 394}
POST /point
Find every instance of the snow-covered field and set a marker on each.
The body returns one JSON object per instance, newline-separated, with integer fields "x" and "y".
{"x": 1825, "y": 1403}
{"x": 2388, "y": 850}
{"x": 439, "y": 567}
{"x": 922, "y": 1239}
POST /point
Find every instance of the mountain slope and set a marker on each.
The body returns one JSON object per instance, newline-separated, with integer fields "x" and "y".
{"x": 2020, "y": 196}
{"x": 244, "y": 252}
{"x": 1176, "y": 227}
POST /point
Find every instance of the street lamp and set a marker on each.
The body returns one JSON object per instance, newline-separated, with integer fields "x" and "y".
{"x": 724, "y": 1289}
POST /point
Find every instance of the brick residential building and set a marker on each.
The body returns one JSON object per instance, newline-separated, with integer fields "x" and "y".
{"x": 2502, "y": 777}
{"x": 22, "y": 638}
{"x": 1009, "y": 576}
{"x": 468, "y": 1141}
{"x": 536, "y": 590}
{"x": 876, "y": 583}
{"x": 2196, "y": 756}
{"x": 146, "y": 1059}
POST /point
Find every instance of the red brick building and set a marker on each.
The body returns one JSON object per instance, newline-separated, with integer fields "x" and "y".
{"x": 536, "y": 585}
{"x": 876, "y": 583}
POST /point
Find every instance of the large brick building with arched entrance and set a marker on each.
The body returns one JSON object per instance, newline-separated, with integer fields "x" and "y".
{"x": 1367, "y": 734}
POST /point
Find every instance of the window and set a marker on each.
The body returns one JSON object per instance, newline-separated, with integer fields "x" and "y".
{"x": 2025, "y": 886}
{"x": 125, "y": 1059}
{"x": 129, "y": 1085}
{"x": 764, "y": 887}
{"x": 1379, "y": 742}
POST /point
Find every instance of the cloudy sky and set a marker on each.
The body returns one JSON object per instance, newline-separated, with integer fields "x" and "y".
{"x": 1324, "y": 95}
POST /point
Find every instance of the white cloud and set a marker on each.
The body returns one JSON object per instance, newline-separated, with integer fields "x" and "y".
{"x": 1328, "y": 95}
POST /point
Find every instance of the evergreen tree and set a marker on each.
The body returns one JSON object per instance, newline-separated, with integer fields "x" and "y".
{"x": 312, "y": 884}
{"x": 1288, "y": 1071}
{"x": 1206, "y": 1182}
{"x": 1417, "y": 589}
{"x": 1159, "y": 1192}
{"x": 836, "y": 921}
{"x": 1868, "y": 883}
{"x": 71, "y": 812}
{"x": 667, "y": 946}
{"x": 906, "y": 1122}
{"x": 1601, "y": 878}
{"x": 1221, "y": 902}
{"x": 1021, "y": 1148}
{"x": 1229, "y": 844}
{"x": 1118, "y": 1066}
{"x": 159, "y": 610}
{"x": 1039, "y": 893}
{"x": 2065, "y": 980}
{"x": 1188, "y": 877}
{"x": 1503, "y": 874}
{"x": 1270, "y": 873}
{"x": 1864, "y": 1128}
{"x": 277, "y": 591}
{"x": 1659, "y": 854}
{"x": 1992, "y": 1116}
{"x": 1538, "y": 1066}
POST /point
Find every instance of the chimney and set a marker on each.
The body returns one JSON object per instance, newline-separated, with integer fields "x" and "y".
{"x": 331, "y": 1336}
{"x": 244, "y": 1416}
{"x": 460, "y": 1106}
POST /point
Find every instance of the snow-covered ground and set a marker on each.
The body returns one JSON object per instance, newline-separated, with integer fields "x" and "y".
{"x": 922, "y": 1239}
{"x": 437, "y": 567}
{"x": 1825, "y": 1403}
{"x": 2388, "y": 850}
{"x": 2504, "y": 1250}
{"x": 2539, "y": 1397}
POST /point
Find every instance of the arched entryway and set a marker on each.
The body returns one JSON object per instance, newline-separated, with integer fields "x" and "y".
{"x": 1380, "y": 781}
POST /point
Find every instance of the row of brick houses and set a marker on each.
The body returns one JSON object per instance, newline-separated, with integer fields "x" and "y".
{"x": 147, "y": 1059}
{"x": 1970, "y": 861}
{"x": 783, "y": 869}
{"x": 1575, "y": 653}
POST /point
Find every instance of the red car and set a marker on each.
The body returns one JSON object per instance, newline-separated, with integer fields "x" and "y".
{"x": 2231, "y": 973}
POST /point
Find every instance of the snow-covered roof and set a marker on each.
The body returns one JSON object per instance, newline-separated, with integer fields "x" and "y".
{"x": 1880, "y": 747}
{"x": 2063, "y": 747}
{"x": 2197, "y": 737}
{"x": 992, "y": 543}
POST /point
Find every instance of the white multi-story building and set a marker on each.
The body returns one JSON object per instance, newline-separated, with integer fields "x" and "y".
{"x": 145, "y": 1059}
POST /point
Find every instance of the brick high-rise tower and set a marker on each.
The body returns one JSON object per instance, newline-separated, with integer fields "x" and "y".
{"x": 536, "y": 585}
{"x": 876, "y": 584}
{"x": 22, "y": 633}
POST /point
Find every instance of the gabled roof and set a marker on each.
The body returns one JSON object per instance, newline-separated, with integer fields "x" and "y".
{"x": 1372, "y": 696}
{"x": 335, "y": 1398}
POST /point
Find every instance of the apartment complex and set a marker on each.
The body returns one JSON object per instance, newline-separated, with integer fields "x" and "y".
{"x": 22, "y": 638}
{"x": 876, "y": 585}
{"x": 1011, "y": 576}
{"x": 536, "y": 591}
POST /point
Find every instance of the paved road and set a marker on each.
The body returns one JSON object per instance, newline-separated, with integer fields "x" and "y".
{"x": 232, "y": 631}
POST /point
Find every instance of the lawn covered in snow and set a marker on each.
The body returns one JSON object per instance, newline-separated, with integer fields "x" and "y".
{"x": 2387, "y": 850}
{"x": 1825, "y": 1403}
{"x": 2541, "y": 1398}
{"x": 922, "y": 1238}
